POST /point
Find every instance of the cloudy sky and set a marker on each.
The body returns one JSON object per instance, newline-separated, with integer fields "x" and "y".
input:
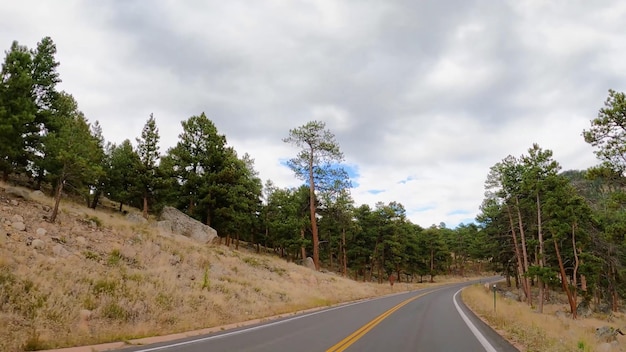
{"x": 423, "y": 96}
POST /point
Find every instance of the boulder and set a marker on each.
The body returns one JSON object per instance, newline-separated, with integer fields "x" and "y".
{"x": 584, "y": 309}
{"x": 174, "y": 221}
{"x": 136, "y": 218}
{"x": 38, "y": 193}
{"x": 38, "y": 244}
{"x": 60, "y": 251}
{"x": 17, "y": 218}
{"x": 309, "y": 263}
{"x": 18, "y": 192}
{"x": 607, "y": 333}
{"x": 41, "y": 231}
{"x": 18, "y": 226}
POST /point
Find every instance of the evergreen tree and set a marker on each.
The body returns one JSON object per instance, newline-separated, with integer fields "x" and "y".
{"x": 73, "y": 152}
{"x": 17, "y": 109}
{"x": 315, "y": 162}
{"x": 122, "y": 182}
{"x": 148, "y": 151}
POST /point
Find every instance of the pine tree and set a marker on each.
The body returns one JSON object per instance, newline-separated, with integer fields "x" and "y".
{"x": 148, "y": 151}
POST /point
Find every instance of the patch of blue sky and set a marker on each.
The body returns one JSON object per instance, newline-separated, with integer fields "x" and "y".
{"x": 375, "y": 191}
{"x": 423, "y": 208}
{"x": 466, "y": 221}
{"x": 458, "y": 212}
{"x": 408, "y": 179}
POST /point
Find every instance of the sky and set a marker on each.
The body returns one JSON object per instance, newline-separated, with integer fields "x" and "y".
{"x": 423, "y": 96}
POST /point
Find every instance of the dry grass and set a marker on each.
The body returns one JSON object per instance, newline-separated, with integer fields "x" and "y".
{"x": 547, "y": 332}
{"x": 120, "y": 280}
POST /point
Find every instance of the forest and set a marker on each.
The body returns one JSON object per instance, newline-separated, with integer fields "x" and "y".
{"x": 543, "y": 228}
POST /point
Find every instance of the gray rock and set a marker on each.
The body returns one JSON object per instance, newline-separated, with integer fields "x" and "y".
{"x": 41, "y": 232}
{"x": 18, "y": 192}
{"x": 511, "y": 295}
{"x": 175, "y": 221}
{"x": 604, "y": 308}
{"x": 136, "y": 218}
{"x": 584, "y": 309}
{"x": 175, "y": 259}
{"x": 17, "y": 218}
{"x": 60, "y": 251}
{"x": 38, "y": 193}
{"x": 309, "y": 263}
{"x": 607, "y": 333}
{"x": 38, "y": 244}
{"x": 14, "y": 203}
{"x": 19, "y": 226}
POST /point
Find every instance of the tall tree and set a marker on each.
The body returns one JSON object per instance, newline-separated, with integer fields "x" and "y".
{"x": 73, "y": 151}
{"x": 319, "y": 155}
{"x": 148, "y": 151}
{"x": 195, "y": 162}
{"x": 17, "y": 108}
{"x": 608, "y": 132}
{"x": 122, "y": 183}
{"x": 45, "y": 79}
{"x": 539, "y": 171}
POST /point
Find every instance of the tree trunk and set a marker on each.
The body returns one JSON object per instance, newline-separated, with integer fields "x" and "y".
{"x": 57, "y": 200}
{"x": 316, "y": 250}
{"x": 432, "y": 265}
{"x": 520, "y": 265}
{"x": 343, "y": 250}
{"x": 96, "y": 199}
{"x": 302, "y": 249}
{"x": 5, "y": 175}
{"x": 524, "y": 251}
{"x": 576, "y": 263}
{"x": 373, "y": 259}
{"x": 570, "y": 297}
{"x": 145, "y": 205}
{"x": 541, "y": 255}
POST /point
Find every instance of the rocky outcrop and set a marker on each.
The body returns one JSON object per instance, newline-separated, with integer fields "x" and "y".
{"x": 174, "y": 221}
{"x": 309, "y": 263}
{"x": 18, "y": 192}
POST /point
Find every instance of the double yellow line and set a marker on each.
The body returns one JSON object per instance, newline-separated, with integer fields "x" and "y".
{"x": 355, "y": 336}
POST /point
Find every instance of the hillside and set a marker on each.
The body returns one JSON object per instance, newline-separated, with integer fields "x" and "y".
{"x": 95, "y": 276}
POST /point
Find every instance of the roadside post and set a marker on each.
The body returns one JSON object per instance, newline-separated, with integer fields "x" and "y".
{"x": 494, "y": 297}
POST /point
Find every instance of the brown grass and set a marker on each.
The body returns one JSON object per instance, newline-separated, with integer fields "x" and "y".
{"x": 123, "y": 280}
{"x": 546, "y": 332}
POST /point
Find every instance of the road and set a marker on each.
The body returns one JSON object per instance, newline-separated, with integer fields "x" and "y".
{"x": 432, "y": 319}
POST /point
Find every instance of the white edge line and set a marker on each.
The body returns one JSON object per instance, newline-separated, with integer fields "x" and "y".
{"x": 481, "y": 338}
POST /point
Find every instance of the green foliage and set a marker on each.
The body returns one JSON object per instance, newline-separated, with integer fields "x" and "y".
{"x": 115, "y": 257}
{"x": 123, "y": 185}
{"x": 206, "y": 284}
{"x": 91, "y": 255}
{"x": 149, "y": 178}
{"x": 17, "y": 108}
{"x": 114, "y": 311}
{"x": 104, "y": 287}
{"x": 608, "y": 131}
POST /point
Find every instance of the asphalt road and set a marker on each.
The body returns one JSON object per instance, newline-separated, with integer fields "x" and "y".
{"x": 431, "y": 320}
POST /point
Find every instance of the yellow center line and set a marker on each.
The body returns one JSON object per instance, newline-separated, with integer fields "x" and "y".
{"x": 355, "y": 336}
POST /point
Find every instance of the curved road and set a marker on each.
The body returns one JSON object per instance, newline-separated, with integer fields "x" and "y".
{"x": 432, "y": 319}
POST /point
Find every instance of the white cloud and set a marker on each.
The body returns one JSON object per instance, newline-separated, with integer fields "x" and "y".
{"x": 422, "y": 97}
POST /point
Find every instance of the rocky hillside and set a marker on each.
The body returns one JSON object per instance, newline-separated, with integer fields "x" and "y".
{"x": 99, "y": 276}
